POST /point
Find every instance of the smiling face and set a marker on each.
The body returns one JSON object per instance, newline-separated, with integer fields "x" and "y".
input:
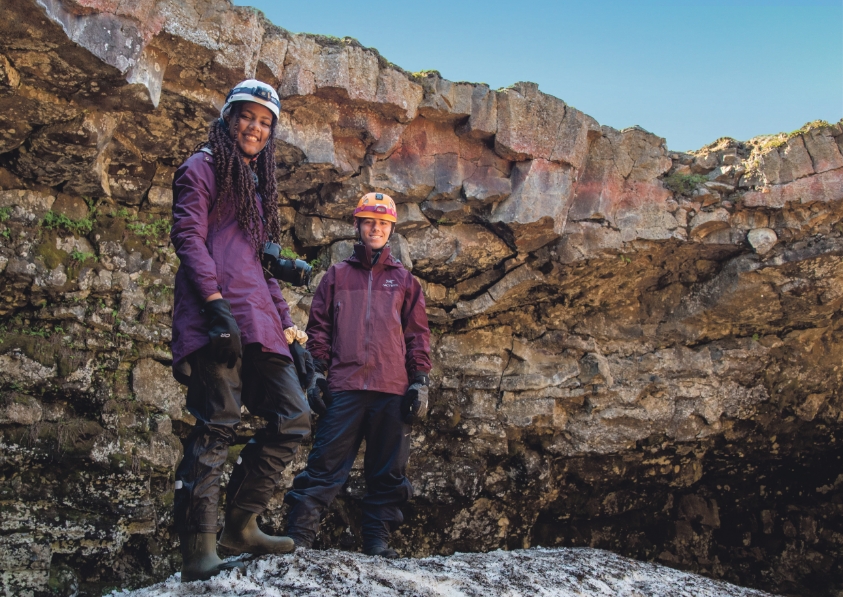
{"x": 252, "y": 129}
{"x": 374, "y": 233}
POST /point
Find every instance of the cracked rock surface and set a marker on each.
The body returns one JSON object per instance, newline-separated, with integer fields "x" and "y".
{"x": 634, "y": 349}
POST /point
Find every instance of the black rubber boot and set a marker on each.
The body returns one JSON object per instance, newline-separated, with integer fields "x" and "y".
{"x": 242, "y": 535}
{"x": 384, "y": 552}
{"x": 199, "y": 557}
{"x": 379, "y": 547}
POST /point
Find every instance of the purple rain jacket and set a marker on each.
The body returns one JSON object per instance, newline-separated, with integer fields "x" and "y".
{"x": 216, "y": 256}
{"x": 369, "y": 323}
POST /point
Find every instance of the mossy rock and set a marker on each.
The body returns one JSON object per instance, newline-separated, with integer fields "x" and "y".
{"x": 234, "y": 453}
{"x": 134, "y": 244}
{"x": 166, "y": 499}
{"x": 47, "y": 250}
{"x": 68, "y": 360}
{"x": 108, "y": 228}
{"x": 35, "y": 347}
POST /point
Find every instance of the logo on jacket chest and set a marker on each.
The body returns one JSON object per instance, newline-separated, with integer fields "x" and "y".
{"x": 390, "y": 284}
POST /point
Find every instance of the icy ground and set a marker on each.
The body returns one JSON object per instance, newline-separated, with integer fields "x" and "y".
{"x": 563, "y": 572}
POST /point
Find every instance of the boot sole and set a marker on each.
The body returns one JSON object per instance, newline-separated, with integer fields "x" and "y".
{"x": 236, "y": 551}
{"x": 190, "y": 577}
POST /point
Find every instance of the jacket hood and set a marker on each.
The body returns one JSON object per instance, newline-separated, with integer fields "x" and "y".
{"x": 363, "y": 256}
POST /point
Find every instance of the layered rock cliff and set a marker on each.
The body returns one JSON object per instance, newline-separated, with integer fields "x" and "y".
{"x": 635, "y": 349}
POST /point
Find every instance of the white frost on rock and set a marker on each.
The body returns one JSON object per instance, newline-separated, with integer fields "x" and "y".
{"x": 563, "y": 572}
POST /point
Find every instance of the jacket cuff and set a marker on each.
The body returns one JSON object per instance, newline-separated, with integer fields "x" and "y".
{"x": 421, "y": 377}
{"x": 209, "y": 287}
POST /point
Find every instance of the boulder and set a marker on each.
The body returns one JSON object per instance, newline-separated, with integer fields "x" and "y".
{"x": 762, "y": 239}
{"x": 619, "y": 184}
{"x": 443, "y": 99}
{"x": 154, "y": 386}
{"x": 525, "y": 130}
{"x": 449, "y": 254}
{"x": 69, "y": 153}
{"x": 70, "y": 206}
{"x": 483, "y": 121}
{"x": 410, "y": 217}
{"x": 823, "y": 149}
{"x": 316, "y": 231}
{"x": 160, "y": 198}
{"x": 825, "y": 187}
{"x": 536, "y": 211}
{"x": 33, "y": 205}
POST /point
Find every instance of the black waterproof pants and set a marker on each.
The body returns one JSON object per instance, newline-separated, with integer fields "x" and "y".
{"x": 269, "y": 387}
{"x": 352, "y": 417}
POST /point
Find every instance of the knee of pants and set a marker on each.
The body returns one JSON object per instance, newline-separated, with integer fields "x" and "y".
{"x": 301, "y": 425}
{"x": 386, "y": 490}
{"x": 225, "y": 433}
{"x": 294, "y": 429}
{"x": 220, "y": 433}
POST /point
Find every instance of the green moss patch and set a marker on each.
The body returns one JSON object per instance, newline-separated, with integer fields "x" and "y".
{"x": 109, "y": 228}
{"x": 47, "y": 250}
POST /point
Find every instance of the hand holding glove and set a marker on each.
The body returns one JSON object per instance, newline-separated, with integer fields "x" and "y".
{"x": 414, "y": 404}
{"x": 319, "y": 396}
{"x": 223, "y": 332}
{"x": 303, "y": 362}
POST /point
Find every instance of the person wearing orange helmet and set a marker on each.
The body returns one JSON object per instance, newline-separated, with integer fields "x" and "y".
{"x": 370, "y": 342}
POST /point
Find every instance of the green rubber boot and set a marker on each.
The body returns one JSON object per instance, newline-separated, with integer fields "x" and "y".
{"x": 199, "y": 557}
{"x": 242, "y": 535}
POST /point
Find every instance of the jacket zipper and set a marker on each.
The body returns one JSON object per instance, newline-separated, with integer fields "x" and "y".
{"x": 335, "y": 325}
{"x": 368, "y": 311}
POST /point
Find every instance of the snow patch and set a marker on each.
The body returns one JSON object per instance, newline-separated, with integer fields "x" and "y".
{"x": 562, "y": 572}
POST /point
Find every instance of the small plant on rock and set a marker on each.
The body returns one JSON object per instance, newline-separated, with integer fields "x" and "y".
{"x": 82, "y": 256}
{"x": 684, "y": 184}
{"x": 152, "y": 229}
{"x": 288, "y": 253}
{"x": 54, "y": 221}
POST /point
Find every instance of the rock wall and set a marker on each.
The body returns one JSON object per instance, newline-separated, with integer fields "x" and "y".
{"x": 635, "y": 349}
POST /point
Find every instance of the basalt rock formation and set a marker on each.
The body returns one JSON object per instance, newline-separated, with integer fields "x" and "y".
{"x": 635, "y": 349}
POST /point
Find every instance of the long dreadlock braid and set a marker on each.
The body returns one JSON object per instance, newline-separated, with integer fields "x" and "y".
{"x": 236, "y": 181}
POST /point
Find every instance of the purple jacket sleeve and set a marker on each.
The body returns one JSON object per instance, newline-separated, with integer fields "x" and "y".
{"x": 416, "y": 331}
{"x": 191, "y": 203}
{"x": 280, "y": 303}
{"x": 321, "y": 321}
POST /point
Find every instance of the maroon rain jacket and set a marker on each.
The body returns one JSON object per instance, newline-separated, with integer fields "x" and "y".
{"x": 369, "y": 323}
{"x": 216, "y": 256}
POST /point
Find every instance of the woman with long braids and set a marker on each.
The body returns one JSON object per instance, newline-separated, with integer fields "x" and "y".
{"x": 231, "y": 329}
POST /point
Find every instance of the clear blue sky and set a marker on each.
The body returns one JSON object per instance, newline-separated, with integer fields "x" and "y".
{"x": 688, "y": 70}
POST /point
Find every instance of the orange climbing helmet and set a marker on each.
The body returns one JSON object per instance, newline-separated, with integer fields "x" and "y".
{"x": 377, "y": 206}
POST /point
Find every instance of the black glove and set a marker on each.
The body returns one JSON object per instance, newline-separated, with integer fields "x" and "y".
{"x": 414, "y": 403}
{"x": 303, "y": 362}
{"x": 223, "y": 332}
{"x": 319, "y": 396}
{"x": 321, "y": 366}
